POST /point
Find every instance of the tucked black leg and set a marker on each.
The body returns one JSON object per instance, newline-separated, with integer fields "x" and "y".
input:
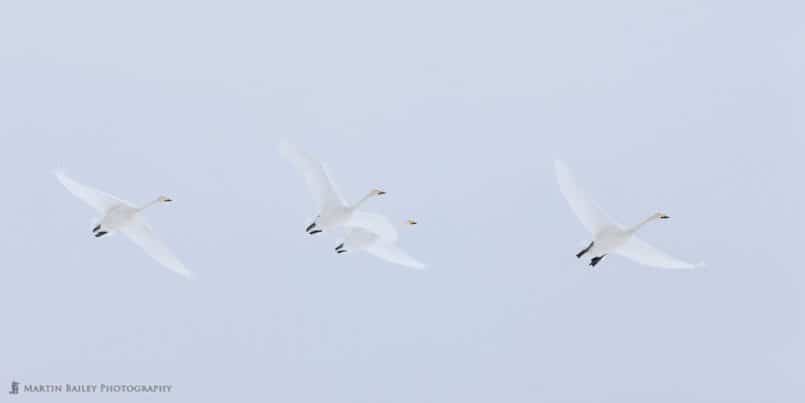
{"x": 100, "y": 234}
{"x": 96, "y": 229}
{"x": 339, "y": 247}
{"x": 595, "y": 260}
{"x": 585, "y": 250}
{"x": 341, "y": 251}
{"x": 315, "y": 232}
{"x": 310, "y": 227}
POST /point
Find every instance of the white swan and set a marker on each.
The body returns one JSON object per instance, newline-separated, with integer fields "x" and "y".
{"x": 333, "y": 210}
{"x": 608, "y": 236}
{"x": 380, "y": 242}
{"x": 120, "y": 215}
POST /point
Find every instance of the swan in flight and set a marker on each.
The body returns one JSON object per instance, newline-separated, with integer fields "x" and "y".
{"x": 120, "y": 215}
{"x": 380, "y": 241}
{"x": 333, "y": 210}
{"x": 609, "y": 236}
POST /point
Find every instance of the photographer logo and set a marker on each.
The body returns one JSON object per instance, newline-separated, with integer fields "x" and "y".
{"x": 15, "y": 388}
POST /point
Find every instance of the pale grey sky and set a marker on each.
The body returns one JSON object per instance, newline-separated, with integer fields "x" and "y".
{"x": 455, "y": 108}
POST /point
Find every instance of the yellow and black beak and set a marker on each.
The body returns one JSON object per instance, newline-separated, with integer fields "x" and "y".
{"x": 665, "y": 217}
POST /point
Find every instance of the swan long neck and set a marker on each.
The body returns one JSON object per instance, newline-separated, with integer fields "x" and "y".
{"x": 362, "y": 201}
{"x": 157, "y": 201}
{"x": 644, "y": 222}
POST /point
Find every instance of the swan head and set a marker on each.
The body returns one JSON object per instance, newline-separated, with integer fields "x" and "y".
{"x": 164, "y": 199}
{"x": 662, "y": 216}
{"x": 378, "y": 192}
{"x": 411, "y": 222}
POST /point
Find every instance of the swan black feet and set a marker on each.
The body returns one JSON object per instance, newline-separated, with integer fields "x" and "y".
{"x": 311, "y": 229}
{"x": 595, "y": 260}
{"x": 340, "y": 249}
{"x": 97, "y": 231}
{"x": 585, "y": 250}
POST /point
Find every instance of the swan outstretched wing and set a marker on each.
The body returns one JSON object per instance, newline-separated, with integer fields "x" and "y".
{"x": 318, "y": 182}
{"x": 590, "y": 215}
{"x": 374, "y": 223}
{"x": 141, "y": 234}
{"x": 392, "y": 253}
{"x": 643, "y": 253}
{"x": 98, "y": 200}
{"x": 359, "y": 238}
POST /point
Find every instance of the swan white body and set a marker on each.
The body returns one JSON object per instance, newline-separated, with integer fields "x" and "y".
{"x": 121, "y": 216}
{"x": 609, "y": 236}
{"x": 333, "y": 210}
{"x": 379, "y": 241}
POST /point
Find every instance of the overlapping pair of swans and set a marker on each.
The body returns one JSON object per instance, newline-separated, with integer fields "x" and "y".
{"x": 363, "y": 231}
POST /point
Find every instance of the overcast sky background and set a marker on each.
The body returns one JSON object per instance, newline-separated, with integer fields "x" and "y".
{"x": 457, "y": 110}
